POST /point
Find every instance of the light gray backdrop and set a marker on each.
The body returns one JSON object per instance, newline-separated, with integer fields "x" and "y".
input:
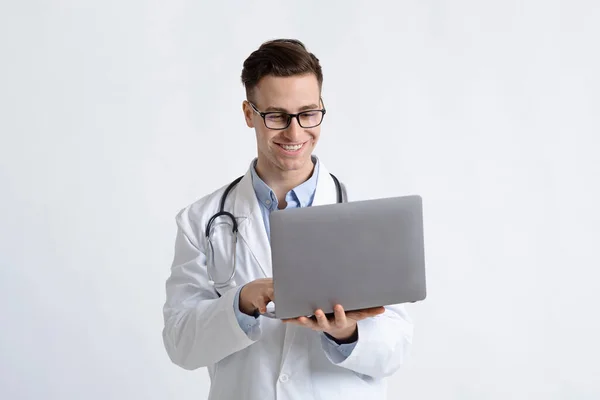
{"x": 116, "y": 114}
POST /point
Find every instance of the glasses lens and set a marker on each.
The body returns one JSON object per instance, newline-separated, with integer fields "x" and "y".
{"x": 276, "y": 120}
{"x": 310, "y": 119}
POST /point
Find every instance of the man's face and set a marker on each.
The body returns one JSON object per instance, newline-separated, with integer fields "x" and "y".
{"x": 289, "y": 149}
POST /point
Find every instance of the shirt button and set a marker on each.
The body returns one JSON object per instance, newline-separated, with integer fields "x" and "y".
{"x": 268, "y": 202}
{"x": 284, "y": 378}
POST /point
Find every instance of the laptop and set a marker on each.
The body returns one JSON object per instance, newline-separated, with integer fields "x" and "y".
{"x": 358, "y": 254}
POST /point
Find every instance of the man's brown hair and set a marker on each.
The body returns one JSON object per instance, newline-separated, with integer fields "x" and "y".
{"x": 279, "y": 57}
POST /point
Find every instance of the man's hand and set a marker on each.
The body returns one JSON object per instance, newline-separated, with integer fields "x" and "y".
{"x": 342, "y": 327}
{"x": 256, "y": 295}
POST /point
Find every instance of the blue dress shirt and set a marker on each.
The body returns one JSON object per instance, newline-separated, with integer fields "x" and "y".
{"x": 300, "y": 196}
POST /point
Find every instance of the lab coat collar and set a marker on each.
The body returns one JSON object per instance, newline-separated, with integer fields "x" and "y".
{"x": 326, "y": 192}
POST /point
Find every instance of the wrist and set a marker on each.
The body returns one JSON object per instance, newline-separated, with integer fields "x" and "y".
{"x": 349, "y": 335}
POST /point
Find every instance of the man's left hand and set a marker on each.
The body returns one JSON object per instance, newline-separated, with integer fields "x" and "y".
{"x": 342, "y": 326}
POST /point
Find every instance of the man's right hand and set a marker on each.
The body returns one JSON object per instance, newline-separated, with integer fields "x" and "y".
{"x": 256, "y": 295}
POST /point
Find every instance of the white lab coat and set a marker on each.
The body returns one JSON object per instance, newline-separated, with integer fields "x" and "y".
{"x": 277, "y": 361}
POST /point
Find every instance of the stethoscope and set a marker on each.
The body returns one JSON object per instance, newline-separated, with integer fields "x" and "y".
{"x": 210, "y": 261}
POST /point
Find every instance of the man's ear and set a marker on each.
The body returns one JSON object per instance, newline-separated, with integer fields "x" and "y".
{"x": 248, "y": 111}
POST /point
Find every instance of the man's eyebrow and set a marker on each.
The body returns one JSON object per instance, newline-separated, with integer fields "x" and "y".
{"x": 303, "y": 108}
{"x": 310, "y": 107}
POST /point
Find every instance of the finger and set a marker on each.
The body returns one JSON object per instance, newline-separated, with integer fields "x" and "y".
{"x": 375, "y": 310}
{"x": 379, "y": 310}
{"x": 296, "y": 321}
{"x": 372, "y": 310}
{"x": 366, "y": 313}
{"x": 307, "y": 322}
{"x": 270, "y": 293}
{"x": 261, "y": 304}
{"x": 322, "y": 321}
{"x": 267, "y": 299}
{"x": 340, "y": 316}
{"x": 355, "y": 315}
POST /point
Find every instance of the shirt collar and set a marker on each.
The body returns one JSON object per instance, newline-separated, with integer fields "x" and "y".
{"x": 305, "y": 192}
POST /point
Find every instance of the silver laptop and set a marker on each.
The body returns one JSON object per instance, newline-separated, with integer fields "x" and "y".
{"x": 359, "y": 254}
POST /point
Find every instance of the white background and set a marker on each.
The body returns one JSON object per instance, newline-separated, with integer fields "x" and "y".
{"x": 115, "y": 115}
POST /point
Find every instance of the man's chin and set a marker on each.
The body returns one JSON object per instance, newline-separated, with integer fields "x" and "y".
{"x": 293, "y": 165}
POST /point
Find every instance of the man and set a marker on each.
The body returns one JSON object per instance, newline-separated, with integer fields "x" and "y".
{"x": 212, "y": 322}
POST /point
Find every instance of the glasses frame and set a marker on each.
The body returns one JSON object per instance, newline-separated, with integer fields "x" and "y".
{"x": 290, "y": 116}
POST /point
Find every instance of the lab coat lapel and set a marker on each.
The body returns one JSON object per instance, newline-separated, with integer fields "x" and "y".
{"x": 326, "y": 192}
{"x": 252, "y": 228}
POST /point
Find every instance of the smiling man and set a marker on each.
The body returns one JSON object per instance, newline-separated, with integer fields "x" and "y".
{"x": 220, "y": 282}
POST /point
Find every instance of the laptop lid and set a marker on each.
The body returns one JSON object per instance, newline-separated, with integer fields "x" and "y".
{"x": 359, "y": 254}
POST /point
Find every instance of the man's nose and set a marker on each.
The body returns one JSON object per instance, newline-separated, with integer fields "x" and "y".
{"x": 294, "y": 131}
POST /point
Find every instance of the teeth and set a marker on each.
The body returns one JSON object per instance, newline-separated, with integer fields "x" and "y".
{"x": 291, "y": 148}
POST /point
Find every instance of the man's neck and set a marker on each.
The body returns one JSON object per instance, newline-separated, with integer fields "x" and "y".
{"x": 281, "y": 182}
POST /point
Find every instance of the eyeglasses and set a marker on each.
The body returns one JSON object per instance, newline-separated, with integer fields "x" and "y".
{"x": 279, "y": 120}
